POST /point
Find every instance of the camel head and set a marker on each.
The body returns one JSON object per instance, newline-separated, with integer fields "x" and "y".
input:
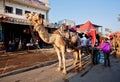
{"x": 29, "y": 16}
{"x": 35, "y": 19}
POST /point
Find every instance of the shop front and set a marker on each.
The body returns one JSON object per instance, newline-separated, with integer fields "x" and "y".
{"x": 1, "y": 38}
{"x": 15, "y": 36}
{"x": 14, "y": 33}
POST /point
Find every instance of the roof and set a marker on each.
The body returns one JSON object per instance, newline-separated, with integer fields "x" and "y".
{"x": 37, "y": 2}
{"x": 97, "y": 26}
{"x": 13, "y": 19}
{"x": 86, "y": 27}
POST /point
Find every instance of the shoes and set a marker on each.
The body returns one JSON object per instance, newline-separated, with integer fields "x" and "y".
{"x": 107, "y": 65}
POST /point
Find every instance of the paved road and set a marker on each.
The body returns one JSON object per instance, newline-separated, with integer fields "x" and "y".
{"x": 43, "y": 74}
{"x": 97, "y": 73}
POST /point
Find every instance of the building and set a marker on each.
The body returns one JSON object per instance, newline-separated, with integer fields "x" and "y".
{"x": 14, "y": 28}
{"x": 68, "y": 22}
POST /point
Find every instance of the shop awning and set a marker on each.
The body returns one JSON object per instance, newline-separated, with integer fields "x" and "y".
{"x": 14, "y": 20}
{"x": 86, "y": 27}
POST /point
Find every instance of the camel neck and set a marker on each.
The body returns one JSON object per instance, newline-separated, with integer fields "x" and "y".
{"x": 44, "y": 35}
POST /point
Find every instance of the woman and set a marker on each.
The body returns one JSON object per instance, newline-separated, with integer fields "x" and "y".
{"x": 106, "y": 49}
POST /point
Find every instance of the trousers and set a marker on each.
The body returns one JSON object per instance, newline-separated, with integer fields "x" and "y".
{"x": 106, "y": 59}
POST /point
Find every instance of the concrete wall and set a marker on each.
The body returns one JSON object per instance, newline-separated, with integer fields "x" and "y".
{"x": 25, "y": 8}
{"x": 45, "y": 1}
{"x": 1, "y": 6}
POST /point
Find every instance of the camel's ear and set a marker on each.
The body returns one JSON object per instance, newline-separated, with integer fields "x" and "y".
{"x": 40, "y": 20}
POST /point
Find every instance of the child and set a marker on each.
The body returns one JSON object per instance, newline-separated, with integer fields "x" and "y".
{"x": 106, "y": 48}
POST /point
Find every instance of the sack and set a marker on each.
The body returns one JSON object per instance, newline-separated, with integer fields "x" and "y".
{"x": 101, "y": 60}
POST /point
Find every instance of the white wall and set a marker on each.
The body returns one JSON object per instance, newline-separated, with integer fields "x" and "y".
{"x": 45, "y": 1}
{"x": 1, "y": 7}
{"x": 25, "y": 8}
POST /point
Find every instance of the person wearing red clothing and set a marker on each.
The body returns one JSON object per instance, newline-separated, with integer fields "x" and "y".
{"x": 92, "y": 33}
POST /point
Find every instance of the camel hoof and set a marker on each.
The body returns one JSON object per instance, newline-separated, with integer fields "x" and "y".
{"x": 64, "y": 72}
{"x": 80, "y": 68}
{"x": 58, "y": 69}
{"x": 76, "y": 70}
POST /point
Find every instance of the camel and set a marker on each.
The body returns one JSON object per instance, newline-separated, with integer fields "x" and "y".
{"x": 116, "y": 46}
{"x": 57, "y": 40}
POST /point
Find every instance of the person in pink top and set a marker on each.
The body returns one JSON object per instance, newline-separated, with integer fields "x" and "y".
{"x": 106, "y": 49}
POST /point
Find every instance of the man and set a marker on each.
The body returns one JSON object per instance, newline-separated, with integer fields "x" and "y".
{"x": 84, "y": 42}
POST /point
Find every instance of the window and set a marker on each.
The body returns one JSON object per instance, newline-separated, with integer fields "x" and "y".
{"x": 8, "y": 9}
{"x": 43, "y": 16}
{"x": 27, "y": 12}
{"x": 18, "y": 11}
{"x": 34, "y": 12}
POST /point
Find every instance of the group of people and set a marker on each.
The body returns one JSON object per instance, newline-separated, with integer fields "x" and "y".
{"x": 100, "y": 44}
{"x": 103, "y": 46}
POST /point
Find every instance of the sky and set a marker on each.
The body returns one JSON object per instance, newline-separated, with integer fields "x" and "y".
{"x": 101, "y": 12}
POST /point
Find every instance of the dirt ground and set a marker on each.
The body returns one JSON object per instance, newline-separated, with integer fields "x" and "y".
{"x": 16, "y": 60}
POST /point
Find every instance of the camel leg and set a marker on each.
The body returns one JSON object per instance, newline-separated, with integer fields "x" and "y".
{"x": 59, "y": 59}
{"x": 80, "y": 58}
{"x": 76, "y": 58}
{"x": 64, "y": 62}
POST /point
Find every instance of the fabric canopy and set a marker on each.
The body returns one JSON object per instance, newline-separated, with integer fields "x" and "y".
{"x": 86, "y": 27}
{"x": 92, "y": 33}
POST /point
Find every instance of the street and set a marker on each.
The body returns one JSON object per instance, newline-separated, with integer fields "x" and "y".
{"x": 59, "y": 41}
{"x": 97, "y": 73}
